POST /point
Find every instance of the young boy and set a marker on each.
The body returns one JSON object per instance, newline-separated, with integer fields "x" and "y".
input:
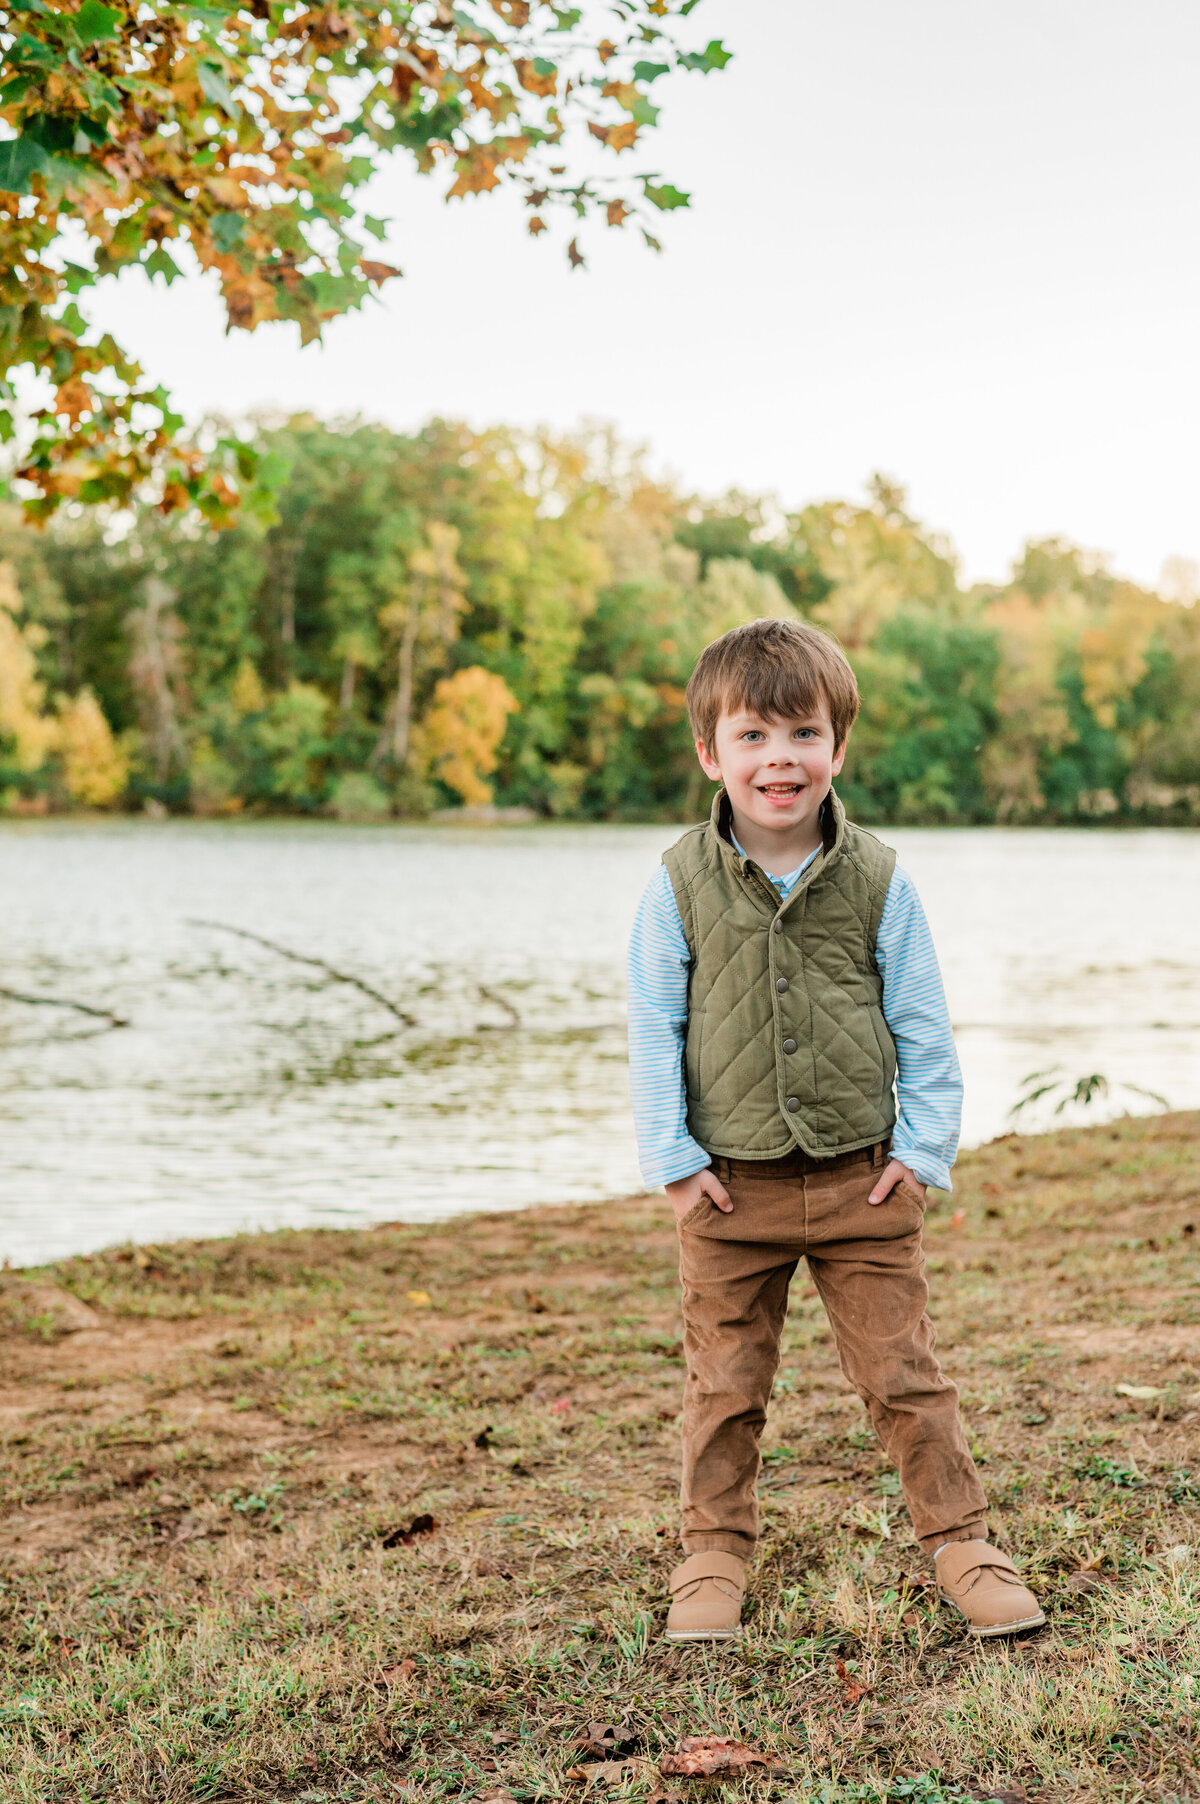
{"x": 795, "y": 1088}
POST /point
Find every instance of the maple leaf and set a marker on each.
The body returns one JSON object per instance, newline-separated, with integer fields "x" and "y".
{"x": 616, "y": 212}
{"x": 378, "y": 272}
{"x": 575, "y": 254}
{"x": 536, "y": 226}
{"x": 536, "y": 75}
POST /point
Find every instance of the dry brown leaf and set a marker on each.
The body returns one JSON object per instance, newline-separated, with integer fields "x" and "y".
{"x": 404, "y": 1537}
{"x": 401, "y": 1673}
{"x": 609, "y": 1772}
{"x": 601, "y": 1739}
{"x": 854, "y": 1692}
{"x": 700, "y": 1756}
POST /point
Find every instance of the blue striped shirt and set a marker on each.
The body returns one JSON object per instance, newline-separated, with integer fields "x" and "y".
{"x": 928, "y": 1081}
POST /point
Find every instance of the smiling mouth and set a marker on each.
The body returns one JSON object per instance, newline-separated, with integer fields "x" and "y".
{"x": 780, "y": 792}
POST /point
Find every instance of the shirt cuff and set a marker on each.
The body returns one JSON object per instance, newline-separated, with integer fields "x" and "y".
{"x": 683, "y": 1161}
{"x": 926, "y": 1165}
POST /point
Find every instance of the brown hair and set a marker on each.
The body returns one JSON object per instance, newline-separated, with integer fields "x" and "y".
{"x": 775, "y": 669}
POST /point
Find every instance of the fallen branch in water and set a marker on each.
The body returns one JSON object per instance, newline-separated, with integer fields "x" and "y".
{"x": 84, "y": 1008}
{"x": 501, "y": 1002}
{"x": 320, "y": 964}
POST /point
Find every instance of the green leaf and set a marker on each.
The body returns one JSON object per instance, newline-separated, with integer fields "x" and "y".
{"x": 714, "y": 57}
{"x": 227, "y": 229}
{"x": 215, "y": 88}
{"x": 650, "y": 71}
{"x": 21, "y": 158}
{"x": 566, "y": 18}
{"x": 16, "y": 89}
{"x": 7, "y": 429}
{"x": 376, "y": 227}
{"x": 664, "y": 196}
{"x": 160, "y": 264}
{"x": 94, "y": 21}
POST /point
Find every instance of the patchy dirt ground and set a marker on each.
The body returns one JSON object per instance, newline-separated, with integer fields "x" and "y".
{"x": 388, "y": 1513}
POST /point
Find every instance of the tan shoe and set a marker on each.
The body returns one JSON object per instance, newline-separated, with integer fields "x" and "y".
{"x": 985, "y": 1586}
{"x": 706, "y": 1597}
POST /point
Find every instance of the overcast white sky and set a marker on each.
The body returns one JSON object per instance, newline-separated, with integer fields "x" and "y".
{"x": 955, "y": 240}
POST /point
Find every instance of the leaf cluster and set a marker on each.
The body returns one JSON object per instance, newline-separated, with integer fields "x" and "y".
{"x": 237, "y": 139}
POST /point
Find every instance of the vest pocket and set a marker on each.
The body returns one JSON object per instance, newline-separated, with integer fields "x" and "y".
{"x": 693, "y": 1041}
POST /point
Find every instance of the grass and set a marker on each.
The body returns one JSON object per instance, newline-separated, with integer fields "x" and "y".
{"x": 220, "y": 1579}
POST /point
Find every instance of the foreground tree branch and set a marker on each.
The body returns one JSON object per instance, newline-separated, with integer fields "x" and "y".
{"x": 235, "y": 139}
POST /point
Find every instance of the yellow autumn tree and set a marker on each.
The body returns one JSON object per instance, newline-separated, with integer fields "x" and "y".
{"x": 462, "y": 730}
{"x": 1030, "y": 705}
{"x": 31, "y": 732}
{"x": 95, "y": 768}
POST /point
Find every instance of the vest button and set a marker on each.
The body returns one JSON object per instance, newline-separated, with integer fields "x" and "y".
{"x": 793, "y": 1103}
{"x": 789, "y": 1045}
{"x": 779, "y": 926}
{"x": 781, "y": 984}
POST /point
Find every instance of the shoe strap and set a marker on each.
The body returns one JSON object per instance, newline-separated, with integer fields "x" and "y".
{"x": 711, "y": 1562}
{"x": 958, "y": 1559}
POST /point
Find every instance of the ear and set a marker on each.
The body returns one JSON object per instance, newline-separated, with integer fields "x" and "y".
{"x": 708, "y": 764}
{"x": 839, "y": 758}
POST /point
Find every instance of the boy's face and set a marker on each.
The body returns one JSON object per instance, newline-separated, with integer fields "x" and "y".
{"x": 776, "y": 772}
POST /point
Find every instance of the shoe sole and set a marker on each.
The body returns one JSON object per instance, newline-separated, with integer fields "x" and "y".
{"x": 996, "y": 1628}
{"x": 701, "y": 1634}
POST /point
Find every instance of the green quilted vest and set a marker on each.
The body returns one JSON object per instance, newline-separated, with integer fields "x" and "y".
{"x": 786, "y": 1041}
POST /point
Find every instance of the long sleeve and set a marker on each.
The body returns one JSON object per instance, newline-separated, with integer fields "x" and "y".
{"x": 659, "y": 961}
{"x": 928, "y": 1081}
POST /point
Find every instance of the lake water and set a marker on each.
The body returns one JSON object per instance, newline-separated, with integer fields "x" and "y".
{"x": 251, "y": 1091}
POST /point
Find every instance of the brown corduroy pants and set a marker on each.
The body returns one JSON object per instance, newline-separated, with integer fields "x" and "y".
{"x": 868, "y": 1266}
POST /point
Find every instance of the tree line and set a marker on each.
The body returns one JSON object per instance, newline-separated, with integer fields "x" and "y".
{"x": 456, "y": 617}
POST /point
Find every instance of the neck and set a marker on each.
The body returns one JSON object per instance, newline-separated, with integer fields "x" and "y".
{"x": 778, "y": 850}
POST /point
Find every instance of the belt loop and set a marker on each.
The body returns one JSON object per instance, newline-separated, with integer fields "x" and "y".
{"x": 877, "y": 1157}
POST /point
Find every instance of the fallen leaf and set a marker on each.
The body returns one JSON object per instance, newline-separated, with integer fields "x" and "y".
{"x": 601, "y": 1739}
{"x": 998, "y": 1796}
{"x": 608, "y": 1772}
{"x": 854, "y": 1692}
{"x": 1085, "y": 1581}
{"x": 404, "y": 1537}
{"x": 1143, "y": 1392}
{"x": 562, "y": 1406}
{"x": 958, "y": 1219}
{"x": 420, "y": 1299}
{"x": 401, "y": 1673}
{"x": 495, "y": 1794}
{"x": 504, "y": 1738}
{"x": 911, "y": 1620}
{"x": 700, "y": 1756}
{"x": 486, "y": 1567}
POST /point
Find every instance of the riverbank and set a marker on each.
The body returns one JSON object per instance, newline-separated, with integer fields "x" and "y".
{"x": 387, "y": 1513}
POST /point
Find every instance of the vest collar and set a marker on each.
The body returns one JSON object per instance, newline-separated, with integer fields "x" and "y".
{"x": 833, "y": 834}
